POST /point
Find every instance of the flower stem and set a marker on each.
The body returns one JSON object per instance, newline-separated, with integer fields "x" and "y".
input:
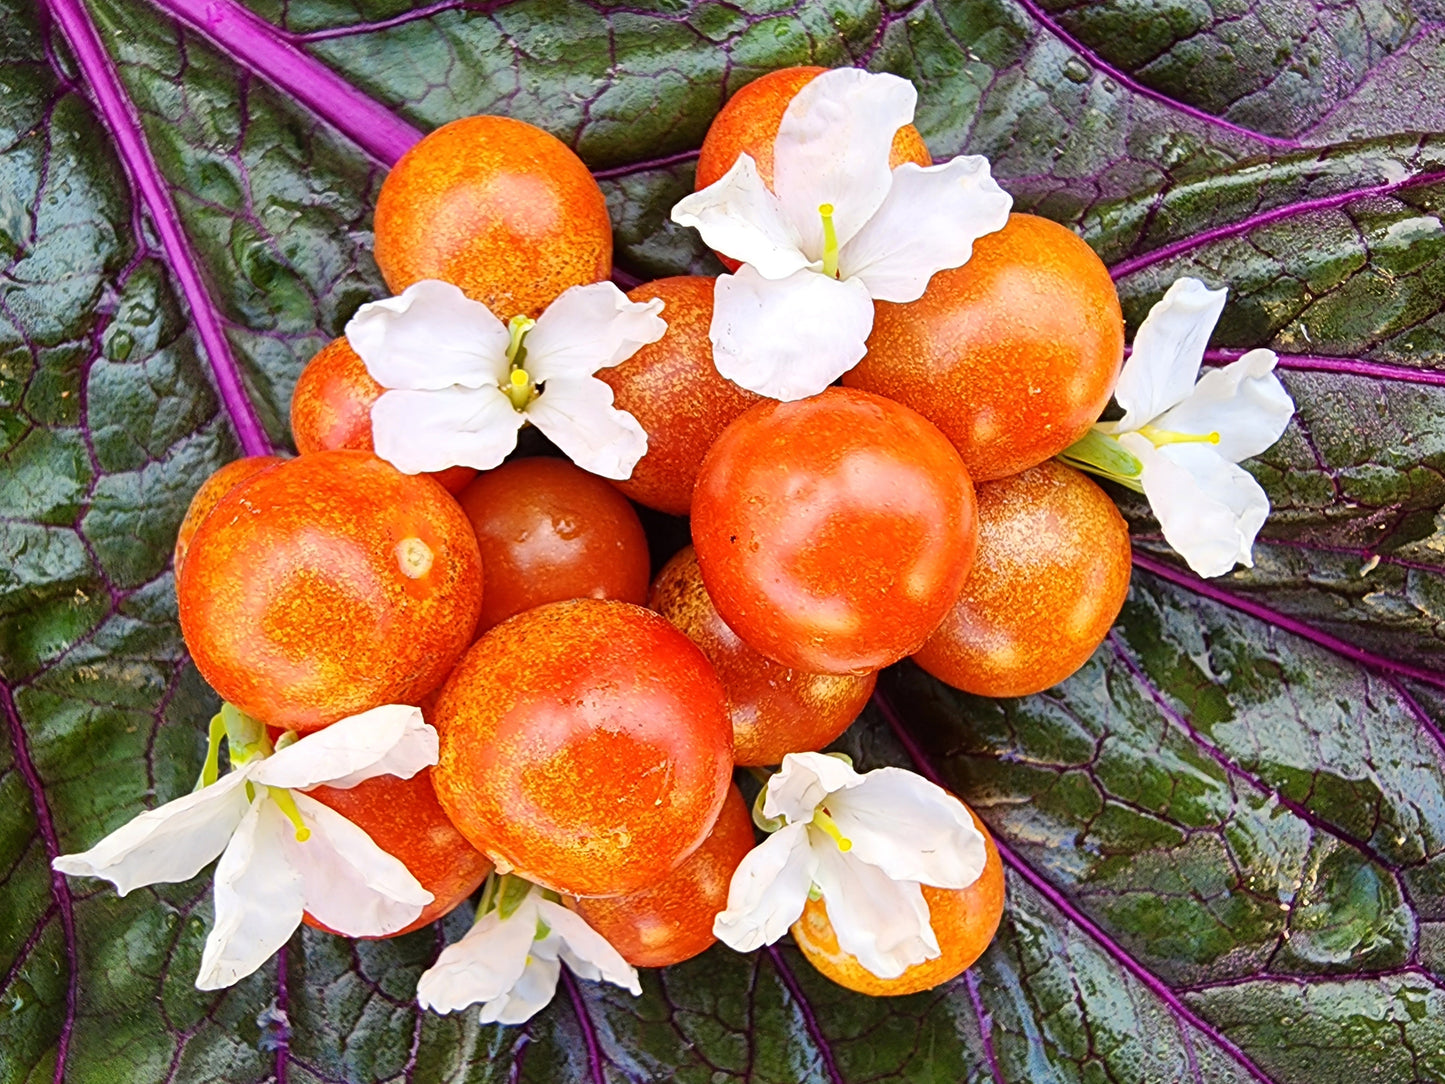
{"x": 1102, "y": 455}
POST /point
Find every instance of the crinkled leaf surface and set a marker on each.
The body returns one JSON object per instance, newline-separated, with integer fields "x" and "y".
{"x": 1225, "y": 836}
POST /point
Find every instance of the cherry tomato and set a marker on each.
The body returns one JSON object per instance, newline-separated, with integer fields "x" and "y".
{"x": 749, "y": 123}
{"x": 775, "y": 710}
{"x": 672, "y": 921}
{"x": 498, "y": 207}
{"x": 833, "y": 533}
{"x": 404, "y": 818}
{"x": 331, "y": 408}
{"x": 585, "y": 745}
{"x": 673, "y": 390}
{"x": 328, "y": 585}
{"x": 212, "y": 490}
{"x": 964, "y": 920}
{"x": 1013, "y": 355}
{"x": 550, "y": 531}
{"x": 1051, "y": 575}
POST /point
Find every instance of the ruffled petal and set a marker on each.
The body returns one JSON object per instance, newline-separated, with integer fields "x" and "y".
{"x": 803, "y": 783}
{"x": 483, "y": 965}
{"x": 258, "y": 898}
{"x": 173, "y": 842}
{"x": 577, "y": 415}
{"x": 833, "y": 146}
{"x": 790, "y": 338}
{"x": 431, "y": 336}
{"x": 1244, "y": 403}
{"x": 423, "y": 431}
{"x": 1210, "y": 509}
{"x": 740, "y": 218}
{"x": 768, "y": 890}
{"x": 883, "y": 922}
{"x": 589, "y": 328}
{"x": 589, "y": 954}
{"x": 530, "y": 994}
{"x": 392, "y": 739}
{"x": 928, "y": 223}
{"x": 911, "y": 829}
{"x": 351, "y": 884}
{"x": 1168, "y": 350}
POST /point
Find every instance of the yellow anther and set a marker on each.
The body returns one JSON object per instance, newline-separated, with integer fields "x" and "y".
{"x": 287, "y": 804}
{"x": 829, "y": 827}
{"x": 830, "y": 241}
{"x": 1160, "y": 437}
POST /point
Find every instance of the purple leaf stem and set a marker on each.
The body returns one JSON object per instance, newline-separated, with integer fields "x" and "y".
{"x": 810, "y": 1020}
{"x": 59, "y": 887}
{"x": 265, "y": 50}
{"x": 1312, "y": 363}
{"x": 1254, "y": 222}
{"x": 1209, "y": 590}
{"x": 1066, "y": 907}
{"x": 1047, "y": 21}
{"x": 119, "y": 116}
{"x": 589, "y": 1031}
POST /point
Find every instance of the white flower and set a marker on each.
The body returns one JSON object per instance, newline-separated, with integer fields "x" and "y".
{"x": 1182, "y": 439}
{"x": 511, "y": 959}
{"x": 867, "y": 842}
{"x": 281, "y": 851}
{"x": 461, "y": 383}
{"x": 842, "y": 231}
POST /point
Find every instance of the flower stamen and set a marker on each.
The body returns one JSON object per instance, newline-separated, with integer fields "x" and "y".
{"x": 829, "y": 827}
{"x": 1160, "y": 437}
{"x": 830, "y": 241}
{"x": 287, "y": 804}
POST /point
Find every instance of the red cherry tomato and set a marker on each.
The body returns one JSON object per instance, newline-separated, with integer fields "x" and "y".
{"x": 549, "y": 531}
{"x": 212, "y": 490}
{"x": 585, "y": 745}
{"x": 834, "y": 533}
{"x": 672, "y": 920}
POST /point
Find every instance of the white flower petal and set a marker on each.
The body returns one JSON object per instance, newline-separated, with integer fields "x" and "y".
{"x": 172, "y": 842}
{"x": 1244, "y": 403}
{"x": 911, "y": 829}
{"x": 883, "y": 922}
{"x": 577, "y": 415}
{"x": 530, "y": 994}
{"x": 1168, "y": 349}
{"x": 589, "y": 328}
{"x": 420, "y": 431}
{"x": 483, "y": 965}
{"x": 1210, "y": 509}
{"x": 803, "y": 782}
{"x": 740, "y": 218}
{"x": 584, "y": 950}
{"x": 833, "y": 146}
{"x": 431, "y": 336}
{"x": 258, "y": 898}
{"x": 351, "y": 884}
{"x": 768, "y": 890}
{"x": 928, "y": 223}
{"x": 392, "y": 739}
{"x": 790, "y": 338}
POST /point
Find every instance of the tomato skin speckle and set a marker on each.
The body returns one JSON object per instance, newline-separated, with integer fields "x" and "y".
{"x": 293, "y": 602}
{"x": 212, "y": 490}
{"x": 585, "y": 745}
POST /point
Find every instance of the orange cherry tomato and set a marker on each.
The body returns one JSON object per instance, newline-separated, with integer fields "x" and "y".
{"x": 550, "y": 531}
{"x": 749, "y": 123}
{"x": 212, "y": 490}
{"x": 498, "y": 207}
{"x": 1013, "y": 355}
{"x": 404, "y": 819}
{"x": 672, "y": 921}
{"x": 775, "y": 710}
{"x": 585, "y": 745}
{"x": 328, "y": 585}
{"x": 1051, "y": 575}
{"x": 331, "y": 408}
{"x": 964, "y": 920}
{"x": 833, "y": 533}
{"x": 676, "y": 394}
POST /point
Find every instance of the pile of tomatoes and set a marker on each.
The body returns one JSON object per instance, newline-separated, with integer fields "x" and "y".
{"x": 591, "y": 714}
